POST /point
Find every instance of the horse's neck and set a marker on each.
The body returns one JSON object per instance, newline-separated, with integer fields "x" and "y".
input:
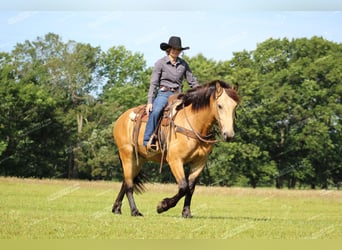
{"x": 201, "y": 121}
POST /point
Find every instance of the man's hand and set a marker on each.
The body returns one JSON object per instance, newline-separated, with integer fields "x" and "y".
{"x": 149, "y": 108}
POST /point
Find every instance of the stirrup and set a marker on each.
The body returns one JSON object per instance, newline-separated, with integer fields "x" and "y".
{"x": 152, "y": 145}
{"x": 152, "y": 148}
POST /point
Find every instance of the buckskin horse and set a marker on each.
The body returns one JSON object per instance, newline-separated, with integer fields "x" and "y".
{"x": 187, "y": 142}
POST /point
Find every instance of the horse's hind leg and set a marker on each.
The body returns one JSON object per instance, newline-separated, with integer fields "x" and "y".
{"x": 134, "y": 209}
{"x": 130, "y": 170}
{"x": 118, "y": 202}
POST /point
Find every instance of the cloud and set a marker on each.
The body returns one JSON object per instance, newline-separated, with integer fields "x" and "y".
{"x": 152, "y": 36}
{"x": 104, "y": 19}
{"x": 4, "y": 45}
{"x": 21, "y": 16}
{"x": 234, "y": 39}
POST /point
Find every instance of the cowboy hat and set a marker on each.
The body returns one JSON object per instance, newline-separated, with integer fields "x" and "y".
{"x": 174, "y": 42}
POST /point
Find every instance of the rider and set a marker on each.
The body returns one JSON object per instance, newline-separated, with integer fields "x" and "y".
{"x": 168, "y": 74}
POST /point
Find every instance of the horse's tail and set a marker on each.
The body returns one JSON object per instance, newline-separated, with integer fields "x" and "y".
{"x": 139, "y": 181}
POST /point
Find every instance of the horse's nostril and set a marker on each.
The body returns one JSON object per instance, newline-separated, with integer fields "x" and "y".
{"x": 228, "y": 136}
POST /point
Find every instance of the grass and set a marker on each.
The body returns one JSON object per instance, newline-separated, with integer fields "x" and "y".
{"x": 63, "y": 209}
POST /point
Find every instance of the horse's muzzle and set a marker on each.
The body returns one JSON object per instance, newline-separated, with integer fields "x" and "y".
{"x": 228, "y": 136}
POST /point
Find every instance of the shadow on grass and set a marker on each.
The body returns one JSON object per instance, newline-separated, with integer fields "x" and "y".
{"x": 238, "y": 218}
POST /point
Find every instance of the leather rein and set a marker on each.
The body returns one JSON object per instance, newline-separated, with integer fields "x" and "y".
{"x": 193, "y": 133}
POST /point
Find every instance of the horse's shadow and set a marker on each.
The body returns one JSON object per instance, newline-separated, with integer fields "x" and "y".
{"x": 239, "y": 218}
{"x": 231, "y": 218}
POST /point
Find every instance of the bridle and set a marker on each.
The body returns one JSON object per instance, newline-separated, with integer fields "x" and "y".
{"x": 202, "y": 138}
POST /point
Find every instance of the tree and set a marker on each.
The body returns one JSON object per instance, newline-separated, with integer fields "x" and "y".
{"x": 203, "y": 68}
{"x": 53, "y": 81}
{"x": 26, "y": 120}
{"x": 300, "y": 110}
{"x": 127, "y": 79}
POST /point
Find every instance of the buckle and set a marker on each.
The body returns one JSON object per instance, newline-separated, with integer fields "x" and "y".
{"x": 164, "y": 89}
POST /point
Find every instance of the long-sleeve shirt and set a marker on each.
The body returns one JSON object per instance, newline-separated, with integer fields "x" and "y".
{"x": 166, "y": 74}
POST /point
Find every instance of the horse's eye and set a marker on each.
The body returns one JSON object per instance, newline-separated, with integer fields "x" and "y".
{"x": 219, "y": 106}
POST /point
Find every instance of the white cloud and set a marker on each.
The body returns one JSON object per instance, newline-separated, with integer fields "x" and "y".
{"x": 103, "y": 18}
{"x": 234, "y": 39}
{"x": 152, "y": 36}
{"x": 21, "y": 16}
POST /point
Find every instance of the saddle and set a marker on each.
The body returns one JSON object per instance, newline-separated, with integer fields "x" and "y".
{"x": 169, "y": 113}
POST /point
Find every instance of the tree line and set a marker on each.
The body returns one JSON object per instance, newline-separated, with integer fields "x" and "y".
{"x": 59, "y": 101}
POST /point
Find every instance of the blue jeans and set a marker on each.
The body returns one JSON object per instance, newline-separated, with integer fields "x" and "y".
{"x": 158, "y": 105}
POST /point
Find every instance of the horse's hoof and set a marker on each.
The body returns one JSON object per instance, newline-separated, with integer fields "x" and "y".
{"x": 116, "y": 209}
{"x": 160, "y": 209}
{"x": 162, "y": 206}
{"x": 186, "y": 213}
{"x": 136, "y": 213}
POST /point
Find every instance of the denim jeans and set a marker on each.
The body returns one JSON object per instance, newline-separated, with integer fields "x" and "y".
{"x": 158, "y": 105}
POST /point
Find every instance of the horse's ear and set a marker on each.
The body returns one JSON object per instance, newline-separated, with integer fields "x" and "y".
{"x": 219, "y": 89}
{"x": 236, "y": 87}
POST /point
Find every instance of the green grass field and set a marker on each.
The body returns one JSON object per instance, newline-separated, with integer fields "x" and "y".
{"x": 62, "y": 209}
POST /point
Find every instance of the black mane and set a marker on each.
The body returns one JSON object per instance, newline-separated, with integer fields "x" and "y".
{"x": 200, "y": 97}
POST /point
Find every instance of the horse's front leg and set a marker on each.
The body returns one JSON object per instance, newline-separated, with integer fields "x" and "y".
{"x": 168, "y": 203}
{"x": 195, "y": 171}
{"x": 186, "y": 213}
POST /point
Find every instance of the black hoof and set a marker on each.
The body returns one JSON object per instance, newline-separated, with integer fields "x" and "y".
{"x": 116, "y": 211}
{"x": 116, "y": 208}
{"x": 186, "y": 213}
{"x": 136, "y": 213}
{"x": 163, "y": 206}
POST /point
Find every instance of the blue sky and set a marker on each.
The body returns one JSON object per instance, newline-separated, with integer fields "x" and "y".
{"x": 214, "y": 31}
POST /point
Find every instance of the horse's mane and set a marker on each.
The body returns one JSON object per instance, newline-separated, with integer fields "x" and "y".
{"x": 200, "y": 97}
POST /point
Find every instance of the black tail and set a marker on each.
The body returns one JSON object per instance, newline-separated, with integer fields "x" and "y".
{"x": 139, "y": 181}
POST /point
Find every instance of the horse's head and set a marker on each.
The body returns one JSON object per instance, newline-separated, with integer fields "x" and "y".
{"x": 220, "y": 99}
{"x": 226, "y": 100}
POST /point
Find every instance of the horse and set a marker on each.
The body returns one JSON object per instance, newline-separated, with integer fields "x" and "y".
{"x": 189, "y": 143}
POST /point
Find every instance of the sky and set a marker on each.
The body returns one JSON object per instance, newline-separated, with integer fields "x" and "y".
{"x": 214, "y": 30}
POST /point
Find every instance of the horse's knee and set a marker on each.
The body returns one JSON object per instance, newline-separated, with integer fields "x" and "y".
{"x": 192, "y": 184}
{"x": 183, "y": 187}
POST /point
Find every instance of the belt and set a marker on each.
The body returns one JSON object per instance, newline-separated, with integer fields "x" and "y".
{"x": 165, "y": 88}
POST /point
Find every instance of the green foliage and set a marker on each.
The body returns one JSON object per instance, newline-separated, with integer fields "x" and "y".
{"x": 120, "y": 66}
{"x": 60, "y": 99}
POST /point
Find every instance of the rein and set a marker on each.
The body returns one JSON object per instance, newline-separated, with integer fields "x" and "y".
{"x": 193, "y": 133}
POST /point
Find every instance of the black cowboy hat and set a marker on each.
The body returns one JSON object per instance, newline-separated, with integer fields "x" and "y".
{"x": 174, "y": 42}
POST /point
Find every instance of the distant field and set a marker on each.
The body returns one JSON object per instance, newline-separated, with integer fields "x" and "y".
{"x": 62, "y": 209}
